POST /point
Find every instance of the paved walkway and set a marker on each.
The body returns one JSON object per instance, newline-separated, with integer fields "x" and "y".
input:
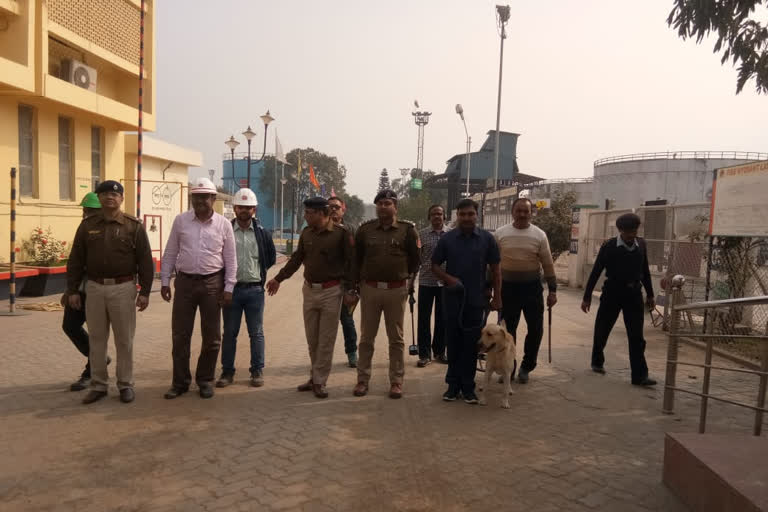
{"x": 573, "y": 440}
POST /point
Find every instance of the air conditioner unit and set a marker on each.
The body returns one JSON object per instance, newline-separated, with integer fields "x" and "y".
{"x": 75, "y": 72}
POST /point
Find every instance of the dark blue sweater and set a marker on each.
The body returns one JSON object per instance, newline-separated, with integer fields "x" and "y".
{"x": 622, "y": 267}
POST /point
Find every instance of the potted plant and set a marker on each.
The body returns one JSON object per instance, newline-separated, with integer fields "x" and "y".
{"x": 47, "y": 255}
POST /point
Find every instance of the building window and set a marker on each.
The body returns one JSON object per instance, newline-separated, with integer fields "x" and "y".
{"x": 26, "y": 150}
{"x": 65, "y": 159}
{"x": 97, "y": 156}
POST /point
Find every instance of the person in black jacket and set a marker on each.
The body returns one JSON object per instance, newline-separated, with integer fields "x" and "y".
{"x": 255, "y": 254}
{"x": 625, "y": 261}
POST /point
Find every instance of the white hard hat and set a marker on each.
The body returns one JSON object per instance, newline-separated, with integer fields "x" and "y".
{"x": 202, "y": 186}
{"x": 245, "y": 197}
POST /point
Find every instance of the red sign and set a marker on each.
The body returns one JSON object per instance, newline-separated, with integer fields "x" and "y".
{"x": 243, "y": 183}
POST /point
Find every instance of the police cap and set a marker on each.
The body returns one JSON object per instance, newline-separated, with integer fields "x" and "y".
{"x": 109, "y": 186}
{"x": 386, "y": 194}
{"x": 316, "y": 203}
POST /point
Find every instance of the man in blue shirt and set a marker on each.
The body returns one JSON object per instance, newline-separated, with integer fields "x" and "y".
{"x": 467, "y": 252}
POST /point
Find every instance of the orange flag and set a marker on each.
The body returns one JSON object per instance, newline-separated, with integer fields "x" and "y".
{"x": 313, "y": 178}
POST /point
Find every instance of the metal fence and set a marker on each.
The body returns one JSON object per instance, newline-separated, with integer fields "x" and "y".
{"x": 737, "y": 322}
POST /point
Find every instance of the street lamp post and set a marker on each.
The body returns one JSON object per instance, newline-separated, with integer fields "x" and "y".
{"x": 502, "y": 13}
{"x": 231, "y": 144}
{"x": 249, "y": 135}
{"x": 460, "y": 111}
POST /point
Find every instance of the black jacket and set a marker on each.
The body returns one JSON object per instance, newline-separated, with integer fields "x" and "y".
{"x": 267, "y": 253}
{"x": 622, "y": 267}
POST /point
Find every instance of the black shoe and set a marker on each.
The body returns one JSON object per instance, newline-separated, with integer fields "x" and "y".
{"x": 441, "y": 359}
{"x": 225, "y": 380}
{"x": 598, "y": 369}
{"x": 109, "y": 360}
{"x": 646, "y": 382}
{"x": 127, "y": 395}
{"x": 174, "y": 393}
{"x": 471, "y": 398}
{"x": 421, "y": 363}
{"x": 257, "y": 379}
{"x": 80, "y": 384}
{"x": 206, "y": 391}
{"x": 451, "y": 395}
{"x": 522, "y": 377}
{"x": 94, "y": 396}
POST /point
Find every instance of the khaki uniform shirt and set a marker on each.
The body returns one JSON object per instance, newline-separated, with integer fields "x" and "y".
{"x": 387, "y": 253}
{"x": 327, "y": 255}
{"x": 112, "y": 248}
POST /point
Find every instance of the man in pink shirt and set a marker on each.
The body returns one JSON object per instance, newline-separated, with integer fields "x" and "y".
{"x": 201, "y": 248}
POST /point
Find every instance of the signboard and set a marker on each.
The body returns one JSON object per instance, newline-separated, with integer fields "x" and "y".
{"x": 542, "y": 203}
{"x": 243, "y": 183}
{"x": 416, "y": 183}
{"x": 575, "y": 218}
{"x": 739, "y": 206}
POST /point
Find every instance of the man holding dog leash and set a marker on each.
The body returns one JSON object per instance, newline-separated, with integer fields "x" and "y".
{"x": 467, "y": 251}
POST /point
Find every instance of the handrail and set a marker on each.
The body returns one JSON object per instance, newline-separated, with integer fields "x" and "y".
{"x": 675, "y": 335}
{"x": 712, "y": 304}
{"x": 681, "y": 155}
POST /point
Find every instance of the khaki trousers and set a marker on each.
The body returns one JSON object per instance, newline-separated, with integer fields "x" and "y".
{"x": 111, "y": 305}
{"x": 321, "y": 323}
{"x": 374, "y": 301}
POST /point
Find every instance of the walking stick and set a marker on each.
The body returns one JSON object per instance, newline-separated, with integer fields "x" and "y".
{"x": 413, "y": 350}
{"x": 549, "y": 312}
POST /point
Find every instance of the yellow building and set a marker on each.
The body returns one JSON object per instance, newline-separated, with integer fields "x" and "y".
{"x": 69, "y": 88}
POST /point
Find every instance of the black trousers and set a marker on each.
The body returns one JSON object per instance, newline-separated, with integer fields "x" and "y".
{"x": 528, "y": 299}
{"x": 426, "y": 340}
{"x": 628, "y": 301}
{"x": 72, "y": 325}
{"x": 462, "y": 331}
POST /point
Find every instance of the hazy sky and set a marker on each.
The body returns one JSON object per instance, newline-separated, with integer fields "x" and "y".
{"x": 582, "y": 80}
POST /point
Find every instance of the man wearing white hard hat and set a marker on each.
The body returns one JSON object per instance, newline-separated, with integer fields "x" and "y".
{"x": 201, "y": 249}
{"x": 255, "y": 254}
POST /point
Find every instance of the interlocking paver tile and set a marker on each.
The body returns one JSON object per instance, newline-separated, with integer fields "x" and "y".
{"x": 572, "y": 440}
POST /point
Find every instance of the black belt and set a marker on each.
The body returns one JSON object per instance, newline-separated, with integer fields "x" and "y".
{"x": 198, "y": 276}
{"x": 248, "y": 285}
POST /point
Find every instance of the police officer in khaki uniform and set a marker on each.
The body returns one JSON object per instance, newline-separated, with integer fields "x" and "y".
{"x": 387, "y": 260}
{"x": 109, "y": 250}
{"x": 327, "y": 251}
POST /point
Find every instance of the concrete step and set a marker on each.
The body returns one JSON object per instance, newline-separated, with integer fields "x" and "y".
{"x": 712, "y": 472}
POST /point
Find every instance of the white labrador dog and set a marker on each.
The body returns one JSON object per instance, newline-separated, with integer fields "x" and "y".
{"x": 500, "y": 357}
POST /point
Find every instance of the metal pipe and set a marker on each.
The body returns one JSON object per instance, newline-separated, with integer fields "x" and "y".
{"x": 12, "y": 283}
{"x": 705, "y": 386}
{"x": 761, "y": 393}
{"x": 140, "y": 137}
{"x": 672, "y": 348}
{"x": 718, "y": 399}
{"x": 743, "y": 301}
{"x": 724, "y": 368}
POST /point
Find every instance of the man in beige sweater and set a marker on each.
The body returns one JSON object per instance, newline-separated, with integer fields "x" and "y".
{"x": 524, "y": 253}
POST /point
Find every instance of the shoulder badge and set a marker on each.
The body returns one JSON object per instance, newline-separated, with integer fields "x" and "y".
{"x": 408, "y": 222}
{"x": 369, "y": 221}
{"x": 131, "y": 217}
